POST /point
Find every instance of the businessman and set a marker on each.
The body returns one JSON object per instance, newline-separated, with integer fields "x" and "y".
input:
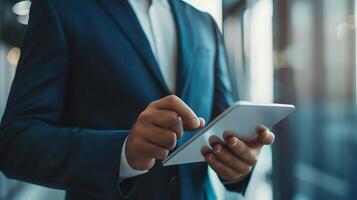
{"x": 105, "y": 89}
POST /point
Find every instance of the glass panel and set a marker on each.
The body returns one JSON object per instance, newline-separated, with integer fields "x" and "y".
{"x": 321, "y": 63}
{"x": 314, "y": 68}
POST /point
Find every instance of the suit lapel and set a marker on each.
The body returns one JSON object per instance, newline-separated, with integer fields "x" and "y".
{"x": 185, "y": 45}
{"x": 124, "y": 16}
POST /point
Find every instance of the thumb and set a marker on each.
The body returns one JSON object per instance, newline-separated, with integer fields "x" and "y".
{"x": 265, "y": 137}
{"x": 199, "y": 123}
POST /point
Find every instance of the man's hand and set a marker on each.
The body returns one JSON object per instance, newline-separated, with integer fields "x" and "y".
{"x": 156, "y": 131}
{"x": 233, "y": 158}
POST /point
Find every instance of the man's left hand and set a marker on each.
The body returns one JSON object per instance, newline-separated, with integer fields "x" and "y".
{"x": 233, "y": 158}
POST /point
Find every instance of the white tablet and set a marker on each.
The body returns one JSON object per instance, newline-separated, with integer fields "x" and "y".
{"x": 242, "y": 118}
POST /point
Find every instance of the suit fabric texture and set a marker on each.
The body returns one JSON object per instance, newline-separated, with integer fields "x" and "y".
{"x": 85, "y": 74}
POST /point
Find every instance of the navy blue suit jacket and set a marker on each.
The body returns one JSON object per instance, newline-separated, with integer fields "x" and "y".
{"x": 85, "y": 73}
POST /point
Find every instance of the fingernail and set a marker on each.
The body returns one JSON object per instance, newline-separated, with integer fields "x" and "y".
{"x": 261, "y": 128}
{"x": 202, "y": 121}
{"x": 196, "y": 122}
{"x": 218, "y": 148}
{"x": 232, "y": 142}
{"x": 205, "y": 150}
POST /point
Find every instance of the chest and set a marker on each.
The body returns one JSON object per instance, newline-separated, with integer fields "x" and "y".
{"x": 112, "y": 65}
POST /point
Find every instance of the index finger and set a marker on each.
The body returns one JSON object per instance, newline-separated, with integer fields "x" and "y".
{"x": 173, "y": 103}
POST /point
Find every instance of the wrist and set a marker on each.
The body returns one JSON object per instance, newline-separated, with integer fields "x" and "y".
{"x": 126, "y": 171}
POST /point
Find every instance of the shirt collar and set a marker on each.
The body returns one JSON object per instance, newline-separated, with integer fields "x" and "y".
{"x": 146, "y": 2}
{"x": 163, "y": 2}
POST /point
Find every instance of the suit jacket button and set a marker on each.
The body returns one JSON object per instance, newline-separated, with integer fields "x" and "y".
{"x": 173, "y": 181}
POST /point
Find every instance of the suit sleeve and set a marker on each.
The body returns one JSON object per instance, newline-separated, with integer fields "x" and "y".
{"x": 223, "y": 98}
{"x": 34, "y": 144}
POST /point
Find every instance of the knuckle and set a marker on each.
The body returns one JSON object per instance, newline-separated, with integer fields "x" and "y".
{"x": 242, "y": 149}
{"x": 237, "y": 176}
{"x": 211, "y": 162}
{"x": 179, "y": 133}
{"x": 139, "y": 130}
{"x": 222, "y": 155}
{"x": 172, "y": 117}
{"x": 246, "y": 168}
{"x": 144, "y": 116}
{"x": 254, "y": 161}
{"x": 177, "y": 128}
{"x": 250, "y": 168}
{"x": 228, "y": 158}
{"x": 162, "y": 154}
{"x": 214, "y": 163}
{"x": 171, "y": 140}
{"x": 153, "y": 104}
{"x": 172, "y": 99}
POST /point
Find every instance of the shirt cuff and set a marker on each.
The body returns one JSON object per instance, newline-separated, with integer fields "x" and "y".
{"x": 235, "y": 181}
{"x": 126, "y": 171}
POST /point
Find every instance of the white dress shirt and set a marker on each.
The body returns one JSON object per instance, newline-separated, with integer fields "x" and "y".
{"x": 157, "y": 21}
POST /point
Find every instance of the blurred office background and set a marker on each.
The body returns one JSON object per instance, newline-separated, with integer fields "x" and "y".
{"x": 289, "y": 51}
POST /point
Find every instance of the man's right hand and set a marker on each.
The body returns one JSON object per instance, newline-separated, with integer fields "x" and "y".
{"x": 157, "y": 129}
